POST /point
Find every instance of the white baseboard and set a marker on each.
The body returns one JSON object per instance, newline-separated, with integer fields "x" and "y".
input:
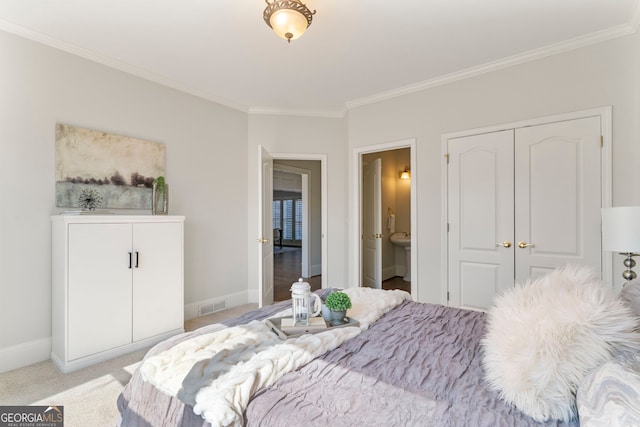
{"x": 25, "y": 354}
{"x": 254, "y": 296}
{"x": 388, "y": 272}
{"x": 315, "y": 270}
{"x": 192, "y": 310}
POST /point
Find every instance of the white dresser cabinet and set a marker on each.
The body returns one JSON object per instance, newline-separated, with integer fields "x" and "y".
{"x": 117, "y": 285}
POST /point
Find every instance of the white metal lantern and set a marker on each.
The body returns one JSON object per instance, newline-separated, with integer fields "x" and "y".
{"x": 301, "y": 298}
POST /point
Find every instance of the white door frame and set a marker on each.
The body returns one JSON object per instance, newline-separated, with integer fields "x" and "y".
{"x": 356, "y": 219}
{"x": 605, "y": 121}
{"x": 323, "y": 184}
{"x": 306, "y": 177}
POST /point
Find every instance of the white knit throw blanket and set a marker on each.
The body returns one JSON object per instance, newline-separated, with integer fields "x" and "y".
{"x": 217, "y": 373}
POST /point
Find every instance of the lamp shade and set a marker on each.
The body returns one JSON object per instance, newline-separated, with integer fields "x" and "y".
{"x": 621, "y": 229}
{"x": 288, "y": 23}
{"x": 289, "y": 19}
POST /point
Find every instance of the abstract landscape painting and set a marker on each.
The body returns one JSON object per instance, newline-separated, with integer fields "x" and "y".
{"x": 101, "y": 170}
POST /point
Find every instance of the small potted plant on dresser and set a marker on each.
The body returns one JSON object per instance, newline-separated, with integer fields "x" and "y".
{"x": 338, "y": 303}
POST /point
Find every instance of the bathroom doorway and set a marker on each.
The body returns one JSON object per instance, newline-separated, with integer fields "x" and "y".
{"x": 297, "y": 224}
{"x": 386, "y": 209}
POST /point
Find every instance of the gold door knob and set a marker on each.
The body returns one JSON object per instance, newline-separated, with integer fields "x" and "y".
{"x": 523, "y": 245}
{"x": 262, "y": 240}
{"x": 506, "y": 244}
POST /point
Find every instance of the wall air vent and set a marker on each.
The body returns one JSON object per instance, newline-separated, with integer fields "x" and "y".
{"x": 204, "y": 309}
{"x": 220, "y": 305}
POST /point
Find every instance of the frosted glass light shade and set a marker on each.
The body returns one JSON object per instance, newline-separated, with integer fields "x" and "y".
{"x": 288, "y": 23}
{"x": 289, "y": 19}
{"x": 621, "y": 229}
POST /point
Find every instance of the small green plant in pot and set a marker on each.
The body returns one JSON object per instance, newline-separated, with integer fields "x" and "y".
{"x": 338, "y": 303}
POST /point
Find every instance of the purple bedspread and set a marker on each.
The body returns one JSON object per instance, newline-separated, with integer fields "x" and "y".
{"x": 419, "y": 365}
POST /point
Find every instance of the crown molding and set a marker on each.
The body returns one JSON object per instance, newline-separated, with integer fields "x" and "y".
{"x": 115, "y": 64}
{"x": 333, "y": 114}
{"x": 622, "y": 30}
{"x": 531, "y": 55}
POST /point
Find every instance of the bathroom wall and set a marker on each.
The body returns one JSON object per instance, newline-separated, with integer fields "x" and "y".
{"x": 403, "y": 206}
{"x": 403, "y": 191}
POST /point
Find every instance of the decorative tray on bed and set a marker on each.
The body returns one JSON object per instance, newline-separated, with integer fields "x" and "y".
{"x": 316, "y": 324}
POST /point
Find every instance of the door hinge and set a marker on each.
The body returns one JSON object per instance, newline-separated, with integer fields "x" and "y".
{"x": 447, "y": 296}
{"x": 446, "y": 156}
{"x": 601, "y": 141}
{"x": 447, "y": 227}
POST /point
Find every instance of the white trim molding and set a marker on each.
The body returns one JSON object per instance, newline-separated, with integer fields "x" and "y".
{"x": 18, "y": 356}
{"x": 531, "y": 55}
{"x": 192, "y": 310}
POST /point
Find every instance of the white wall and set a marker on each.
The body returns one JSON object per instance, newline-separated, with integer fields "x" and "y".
{"x": 403, "y": 192}
{"x": 205, "y": 145}
{"x": 208, "y": 143}
{"x": 594, "y": 76}
{"x": 308, "y": 136}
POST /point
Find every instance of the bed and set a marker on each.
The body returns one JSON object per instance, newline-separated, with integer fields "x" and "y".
{"x": 418, "y": 364}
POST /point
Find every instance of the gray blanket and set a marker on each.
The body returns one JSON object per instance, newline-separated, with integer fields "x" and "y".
{"x": 419, "y": 365}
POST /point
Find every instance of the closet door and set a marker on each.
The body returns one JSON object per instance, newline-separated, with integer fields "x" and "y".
{"x": 535, "y": 189}
{"x": 480, "y": 177}
{"x": 558, "y": 196}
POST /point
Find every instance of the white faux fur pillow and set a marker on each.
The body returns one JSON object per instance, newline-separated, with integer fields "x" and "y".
{"x": 543, "y": 337}
{"x": 630, "y": 294}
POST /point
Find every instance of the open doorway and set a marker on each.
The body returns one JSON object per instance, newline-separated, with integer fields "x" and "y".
{"x": 386, "y": 219}
{"x": 297, "y": 224}
{"x": 385, "y": 247}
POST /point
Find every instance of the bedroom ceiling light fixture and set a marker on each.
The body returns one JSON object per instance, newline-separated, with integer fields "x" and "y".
{"x": 621, "y": 233}
{"x": 289, "y": 19}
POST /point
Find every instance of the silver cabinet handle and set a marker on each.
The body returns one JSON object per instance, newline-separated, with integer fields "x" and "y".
{"x": 506, "y": 244}
{"x": 523, "y": 245}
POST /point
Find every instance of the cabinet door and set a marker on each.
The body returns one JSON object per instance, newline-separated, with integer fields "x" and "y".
{"x": 99, "y": 288}
{"x": 157, "y": 279}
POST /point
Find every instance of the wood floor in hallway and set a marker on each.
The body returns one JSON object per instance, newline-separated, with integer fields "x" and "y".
{"x": 287, "y": 268}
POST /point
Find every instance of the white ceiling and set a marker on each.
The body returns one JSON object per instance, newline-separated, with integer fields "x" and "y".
{"x": 355, "y": 52}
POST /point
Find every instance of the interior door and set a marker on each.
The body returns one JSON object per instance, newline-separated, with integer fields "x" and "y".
{"x": 265, "y": 227}
{"x": 372, "y": 224}
{"x": 480, "y": 177}
{"x": 558, "y": 197}
{"x": 521, "y": 203}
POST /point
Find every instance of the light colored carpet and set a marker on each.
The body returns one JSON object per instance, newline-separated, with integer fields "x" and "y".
{"x": 88, "y": 395}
